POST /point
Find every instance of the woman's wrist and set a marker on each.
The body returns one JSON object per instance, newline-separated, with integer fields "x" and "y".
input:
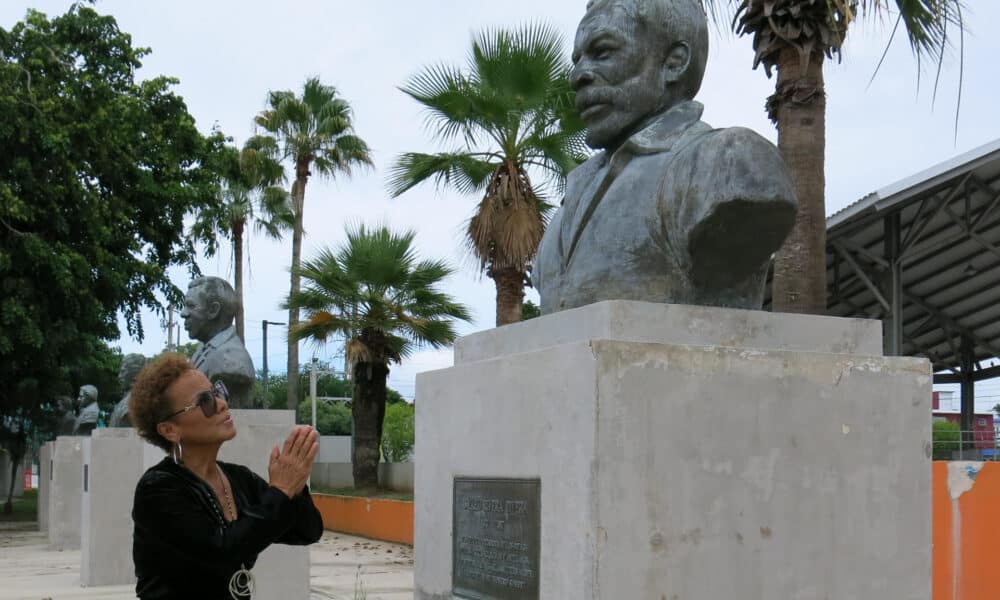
{"x": 284, "y": 490}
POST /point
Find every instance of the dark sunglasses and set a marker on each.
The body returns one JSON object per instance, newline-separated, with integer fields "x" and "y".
{"x": 205, "y": 400}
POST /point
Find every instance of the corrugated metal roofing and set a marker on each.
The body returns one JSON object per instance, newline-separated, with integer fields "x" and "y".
{"x": 950, "y": 233}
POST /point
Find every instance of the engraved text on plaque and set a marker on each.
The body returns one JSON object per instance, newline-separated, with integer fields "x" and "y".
{"x": 496, "y": 538}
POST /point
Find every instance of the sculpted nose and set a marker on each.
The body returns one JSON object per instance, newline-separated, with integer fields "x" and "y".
{"x": 580, "y": 76}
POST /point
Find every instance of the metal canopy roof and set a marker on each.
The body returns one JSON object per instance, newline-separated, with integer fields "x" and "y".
{"x": 923, "y": 254}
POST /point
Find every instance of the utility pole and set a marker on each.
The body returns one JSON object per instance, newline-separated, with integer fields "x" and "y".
{"x": 264, "y": 325}
{"x": 314, "y": 373}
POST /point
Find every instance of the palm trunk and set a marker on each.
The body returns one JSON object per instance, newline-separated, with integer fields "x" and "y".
{"x": 298, "y": 204}
{"x": 15, "y": 460}
{"x": 238, "y": 277}
{"x": 368, "y": 412}
{"x": 799, "y": 110}
{"x": 510, "y": 294}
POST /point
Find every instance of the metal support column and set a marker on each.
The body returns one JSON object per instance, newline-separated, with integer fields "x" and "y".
{"x": 968, "y": 386}
{"x": 894, "y": 281}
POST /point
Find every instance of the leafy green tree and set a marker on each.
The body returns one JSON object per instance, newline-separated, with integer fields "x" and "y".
{"x": 97, "y": 172}
{"x": 314, "y": 131}
{"x": 795, "y": 37}
{"x": 332, "y": 417}
{"x": 375, "y": 292}
{"x": 327, "y": 386}
{"x": 530, "y": 310}
{"x": 250, "y": 195}
{"x": 398, "y": 434}
{"x": 945, "y": 438}
{"x": 513, "y": 109}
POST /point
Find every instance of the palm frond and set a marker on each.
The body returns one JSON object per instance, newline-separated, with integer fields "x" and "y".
{"x": 466, "y": 173}
{"x": 319, "y": 326}
{"x": 449, "y": 98}
{"x": 374, "y": 290}
{"x": 518, "y": 64}
{"x": 343, "y": 154}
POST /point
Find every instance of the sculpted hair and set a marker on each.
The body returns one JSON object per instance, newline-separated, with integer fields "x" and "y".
{"x": 218, "y": 290}
{"x": 148, "y": 403}
{"x": 670, "y": 21}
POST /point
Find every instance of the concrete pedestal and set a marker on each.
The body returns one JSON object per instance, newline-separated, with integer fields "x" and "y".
{"x": 672, "y": 468}
{"x": 114, "y": 459}
{"x": 65, "y": 494}
{"x": 44, "y": 474}
{"x": 117, "y": 458}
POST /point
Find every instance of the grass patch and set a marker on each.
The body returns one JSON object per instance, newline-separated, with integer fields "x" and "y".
{"x": 383, "y": 494}
{"x": 25, "y": 507}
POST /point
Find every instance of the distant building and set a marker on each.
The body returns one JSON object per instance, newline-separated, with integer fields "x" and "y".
{"x": 984, "y": 432}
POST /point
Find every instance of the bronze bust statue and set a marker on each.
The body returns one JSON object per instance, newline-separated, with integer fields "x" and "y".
{"x": 131, "y": 365}
{"x": 671, "y": 210}
{"x": 208, "y": 313}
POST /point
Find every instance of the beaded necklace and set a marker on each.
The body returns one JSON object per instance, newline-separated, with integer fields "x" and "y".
{"x": 225, "y": 493}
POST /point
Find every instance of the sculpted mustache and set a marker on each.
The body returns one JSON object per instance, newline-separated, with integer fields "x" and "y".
{"x": 598, "y": 96}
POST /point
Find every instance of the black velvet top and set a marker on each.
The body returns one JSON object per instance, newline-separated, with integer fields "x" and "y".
{"x": 182, "y": 545}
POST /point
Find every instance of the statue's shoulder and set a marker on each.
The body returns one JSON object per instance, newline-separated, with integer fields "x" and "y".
{"x": 732, "y": 145}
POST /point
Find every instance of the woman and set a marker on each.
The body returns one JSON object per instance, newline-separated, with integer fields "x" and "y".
{"x": 200, "y": 523}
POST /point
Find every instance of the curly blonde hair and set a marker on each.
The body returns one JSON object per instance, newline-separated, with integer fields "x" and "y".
{"x": 148, "y": 403}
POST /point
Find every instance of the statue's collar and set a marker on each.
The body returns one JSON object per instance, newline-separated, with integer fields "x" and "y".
{"x": 661, "y": 134}
{"x": 221, "y": 338}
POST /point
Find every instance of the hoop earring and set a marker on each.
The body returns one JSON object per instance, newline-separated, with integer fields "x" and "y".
{"x": 177, "y": 453}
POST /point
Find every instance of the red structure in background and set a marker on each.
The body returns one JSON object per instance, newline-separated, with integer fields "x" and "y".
{"x": 983, "y": 433}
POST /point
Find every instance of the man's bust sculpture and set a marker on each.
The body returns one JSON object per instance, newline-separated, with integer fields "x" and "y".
{"x": 70, "y": 410}
{"x": 131, "y": 365}
{"x": 672, "y": 210}
{"x": 86, "y": 420}
{"x": 209, "y": 309}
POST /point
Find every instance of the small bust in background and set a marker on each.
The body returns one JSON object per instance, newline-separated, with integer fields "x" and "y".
{"x": 86, "y": 420}
{"x": 131, "y": 365}
{"x": 69, "y": 409}
{"x": 208, "y": 313}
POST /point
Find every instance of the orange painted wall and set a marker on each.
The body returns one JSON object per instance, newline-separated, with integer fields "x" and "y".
{"x": 967, "y": 534}
{"x": 389, "y": 520}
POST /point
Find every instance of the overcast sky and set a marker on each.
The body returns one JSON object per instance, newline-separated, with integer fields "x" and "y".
{"x": 228, "y": 54}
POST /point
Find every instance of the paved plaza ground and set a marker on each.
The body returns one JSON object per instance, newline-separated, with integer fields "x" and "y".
{"x": 29, "y": 571}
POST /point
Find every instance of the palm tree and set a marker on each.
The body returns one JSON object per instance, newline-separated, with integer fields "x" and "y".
{"x": 375, "y": 292}
{"x": 250, "y": 194}
{"x": 794, "y": 37}
{"x": 513, "y": 109}
{"x": 314, "y": 131}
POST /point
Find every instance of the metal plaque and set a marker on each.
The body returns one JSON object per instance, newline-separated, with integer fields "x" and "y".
{"x": 496, "y": 538}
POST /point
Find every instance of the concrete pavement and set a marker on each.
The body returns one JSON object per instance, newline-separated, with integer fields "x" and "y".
{"x": 339, "y": 563}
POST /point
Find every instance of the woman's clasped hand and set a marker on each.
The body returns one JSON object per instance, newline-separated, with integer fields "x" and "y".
{"x": 290, "y": 466}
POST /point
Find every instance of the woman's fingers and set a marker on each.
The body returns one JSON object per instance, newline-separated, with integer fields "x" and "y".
{"x": 289, "y": 440}
{"x": 302, "y": 441}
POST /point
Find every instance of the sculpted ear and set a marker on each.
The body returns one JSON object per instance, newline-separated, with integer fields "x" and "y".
{"x": 677, "y": 62}
{"x": 214, "y": 309}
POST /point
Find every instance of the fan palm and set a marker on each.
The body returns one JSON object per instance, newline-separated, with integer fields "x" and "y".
{"x": 314, "y": 131}
{"x": 794, "y": 37}
{"x": 375, "y": 292}
{"x": 510, "y": 111}
{"x": 250, "y": 194}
